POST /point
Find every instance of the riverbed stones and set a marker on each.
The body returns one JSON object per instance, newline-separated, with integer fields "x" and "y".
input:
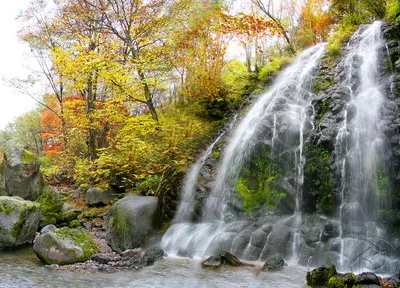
{"x": 130, "y": 222}
{"x": 19, "y": 221}
{"x": 64, "y": 246}
{"x": 22, "y": 175}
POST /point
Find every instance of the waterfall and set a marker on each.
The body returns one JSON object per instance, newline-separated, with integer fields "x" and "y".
{"x": 275, "y": 156}
{"x": 287, "y": 102}
{"x": 360, "y": 155}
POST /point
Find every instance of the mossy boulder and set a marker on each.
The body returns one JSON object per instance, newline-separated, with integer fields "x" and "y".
{"x": 64, "y": 246}
{"x": 130, "y": 222}
{"x": 319, "y": 277}
{"x": 19, "y": 221}
{"x": 342, "y": 281}
{"x": 22, "y": 175}
{"x": 51, "y": 202}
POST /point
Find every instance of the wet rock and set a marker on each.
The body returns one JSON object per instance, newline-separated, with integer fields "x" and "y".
{"x": 275, "y": 263}
{"x": 152, "y": 255}
{"x": 319, "y": 277}
{"x": 130, "y": 222}
{"x": 367, "y": 278}
{"x": 100, "y": 258}
{"x": 22, "y": 174}
{"x": 224, "y": 257}
{"x": 229, "y": 259}
{"x": 212, "y": 261}
{"x": 64, "y": 246}
{"x": 19, "y": 221}
{"x": 330, "y": 230}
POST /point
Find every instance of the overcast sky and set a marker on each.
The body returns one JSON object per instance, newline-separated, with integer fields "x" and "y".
{"x": 13, "y": 63}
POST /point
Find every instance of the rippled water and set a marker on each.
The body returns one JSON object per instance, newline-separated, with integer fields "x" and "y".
{"x": 23, "y": 269}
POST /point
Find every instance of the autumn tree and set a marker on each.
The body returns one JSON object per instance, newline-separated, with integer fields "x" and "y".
{"x": 267, "y": 7}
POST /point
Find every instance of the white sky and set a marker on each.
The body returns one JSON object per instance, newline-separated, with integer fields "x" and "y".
{"x": 14, "y": 56}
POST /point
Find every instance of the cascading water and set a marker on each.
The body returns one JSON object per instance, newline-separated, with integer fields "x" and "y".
{"x": 287, "y": 104}
{"x": 294, "y": 157}
{"x": 360, "y": 156}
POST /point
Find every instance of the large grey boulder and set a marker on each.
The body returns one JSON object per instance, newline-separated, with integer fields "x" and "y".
{"x": 19, "y": 221}
{"x": 98, "y": 196}
{"x": 130, "y": 222}
{"x": 21, "y": 172}
{"x": 64, "y": 246}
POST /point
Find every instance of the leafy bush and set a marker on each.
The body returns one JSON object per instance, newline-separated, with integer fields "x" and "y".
{"x": 143, "y": 150}
{"x": 347, "y": 27}
{"x": 273, "y": 66}
{"x": 393, "y": 10}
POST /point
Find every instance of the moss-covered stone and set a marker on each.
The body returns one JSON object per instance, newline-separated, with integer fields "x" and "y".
{"x": 319, "y": 277}
{"x": 317, "y": 194}
{"x": 254, "y": 184}
{"x": 64, "y": 246}
{"x": 28, "y": 157}
{"x": 342, "y": 281}
{"x": 19, "y": 221}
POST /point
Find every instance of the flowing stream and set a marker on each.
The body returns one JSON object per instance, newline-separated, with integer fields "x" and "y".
{"x": 22, "y": 269}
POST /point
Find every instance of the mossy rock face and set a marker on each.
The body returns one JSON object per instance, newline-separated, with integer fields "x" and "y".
{"x": 64, "y": 246}
{"x": 22, "y": 176}
{"x": 319, "y": 277}
{"x": 130, "y": 222}
{"x": 51, "y": 201}
{"x": 19, "y": 221}
{"x": 342, "y": 281}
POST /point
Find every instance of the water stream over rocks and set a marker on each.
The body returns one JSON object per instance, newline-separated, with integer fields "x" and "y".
{"x": 305, "y": 173}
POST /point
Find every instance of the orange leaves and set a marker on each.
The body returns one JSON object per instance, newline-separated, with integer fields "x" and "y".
{"x": 315, "y": 19}
{"x": 248, "y": 25}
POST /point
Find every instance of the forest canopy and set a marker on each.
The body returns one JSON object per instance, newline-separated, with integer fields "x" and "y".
{"x": 133, "y": 90}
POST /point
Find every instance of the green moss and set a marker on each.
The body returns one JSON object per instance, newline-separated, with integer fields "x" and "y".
{"x": 393, "y": 10}
{"x": 28, "y": 157}
{"x": 321, "y": 84}
{"x": 51, "y": 202}
{"x": 347, "y": 27}
{"x": 342, "y": 281}
{"x": 16, "y": 229}
{"x": 254, "y": 185}
{"x": 216, "y": 154}
{"x": 319, "y": 178}
{"x": 80, "y": 238}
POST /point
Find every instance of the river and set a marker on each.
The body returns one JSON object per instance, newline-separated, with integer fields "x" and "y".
{"x": 23, "y": 269}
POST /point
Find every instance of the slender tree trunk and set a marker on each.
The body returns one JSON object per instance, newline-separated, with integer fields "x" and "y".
{"x": 148, "y": 95}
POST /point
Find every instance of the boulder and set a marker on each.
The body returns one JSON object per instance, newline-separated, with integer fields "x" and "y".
{"x": 69, "y": 213}
{"x": 51, "y": 201}
{"x": 275, "y": 263}
{"x": 130, "y": 222}
{"x": 64, "y": 246}
{"x": 342, "y": 280}
{"x": 224, "y": 257}
{"x": 97, "y": 196}
{"x": 367, "y": 278}
{"x": 152, "y": 255}
{"x": 320, "y": 276}
{"x": 212, "y": 261}
{"x": 19, "y": 221}
{"x": 21, "y": 172}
